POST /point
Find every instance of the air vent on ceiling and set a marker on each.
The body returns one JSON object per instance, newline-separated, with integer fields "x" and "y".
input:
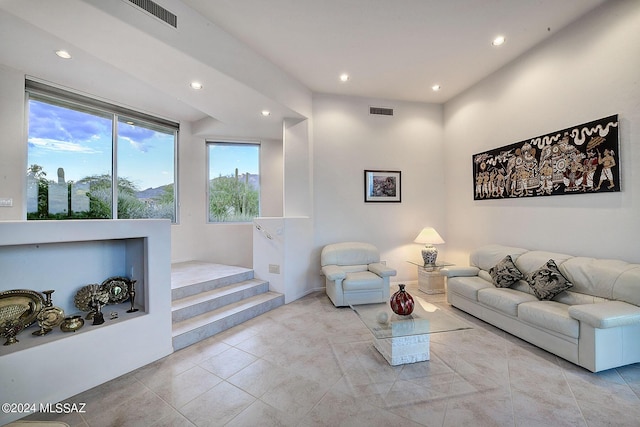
{"x": 158, "y": 11}
{"x": 381, "y": 111}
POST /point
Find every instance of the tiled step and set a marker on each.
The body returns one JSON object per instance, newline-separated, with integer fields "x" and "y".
{"x": 193, "y": 277}
{"x": 209, "y": 298}
{"x": 190, "y": 331}
{"x": 203, "y": 302}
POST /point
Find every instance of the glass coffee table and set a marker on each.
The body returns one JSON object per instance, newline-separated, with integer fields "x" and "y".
{"x": 405, "y": 339}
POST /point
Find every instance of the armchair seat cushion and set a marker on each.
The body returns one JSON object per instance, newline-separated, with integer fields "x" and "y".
{"x": 362, "y": 280}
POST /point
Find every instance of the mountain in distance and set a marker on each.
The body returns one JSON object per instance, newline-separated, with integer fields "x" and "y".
{"x": 153, "y": 193}
{"x": 254, "y": 180}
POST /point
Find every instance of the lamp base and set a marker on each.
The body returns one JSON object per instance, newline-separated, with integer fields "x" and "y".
{"x": 429, "y": 254}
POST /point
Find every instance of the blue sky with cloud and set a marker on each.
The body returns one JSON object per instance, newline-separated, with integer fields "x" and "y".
{"x": 81, "y": 143}
{"x": 225, "y": 158}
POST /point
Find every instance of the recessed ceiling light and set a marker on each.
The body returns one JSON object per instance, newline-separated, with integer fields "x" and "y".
{"x": 63, "y": 54}
{"x": 266, "y": 113}
{"x": 196, "y": 85}
{"x": 435, "y": 88}
{"x": 344, "y": 77}
{"x": 498, "y": 41}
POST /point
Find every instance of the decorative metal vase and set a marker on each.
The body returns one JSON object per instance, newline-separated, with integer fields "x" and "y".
{"x": 49, "y": 317}
{"x": 401, "y": 302}
{"x": 132, "y": 296}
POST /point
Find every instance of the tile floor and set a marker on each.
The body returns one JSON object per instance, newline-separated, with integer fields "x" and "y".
{"x": 310, "y": 364}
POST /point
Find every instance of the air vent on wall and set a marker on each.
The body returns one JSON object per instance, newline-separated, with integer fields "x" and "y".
{"x": 381, "y": 111}
{"x": 158, "y": 11}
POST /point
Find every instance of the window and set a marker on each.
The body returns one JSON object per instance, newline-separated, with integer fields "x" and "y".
{"x": 89, "y": 159}
{"x": 234, "y": 181}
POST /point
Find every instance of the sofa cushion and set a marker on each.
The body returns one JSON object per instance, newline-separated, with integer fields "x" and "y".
{"x": 485, "y": 275}
{"x": 522, "y": 286}
{"x": 505, "y": 300}
{"x": 603, "y": 277}
{"x": 547, "y": 281}
{"x": 489, "y": 255}
{"x": 531, "y": 261}
{"x": 467, "y": 287}
{"x": 574, "y": 298}
{"x": 505, "y": 273}
{"x": 550, "y": 315}
{"x": 626, "y": 286}
{"x": 361, "y": 280}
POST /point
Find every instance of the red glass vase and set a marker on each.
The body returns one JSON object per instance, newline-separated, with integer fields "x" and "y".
{"x": 401, "y": 302}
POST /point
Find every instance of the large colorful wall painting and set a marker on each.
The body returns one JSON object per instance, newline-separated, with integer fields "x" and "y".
{"x": 578, "y": 160}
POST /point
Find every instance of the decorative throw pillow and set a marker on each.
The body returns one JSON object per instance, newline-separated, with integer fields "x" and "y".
{"x": 547, "y": 281}
{"x": 505, "y": 273}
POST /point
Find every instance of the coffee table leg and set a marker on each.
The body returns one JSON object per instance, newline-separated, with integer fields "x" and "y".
{"x": 403, "y": 350}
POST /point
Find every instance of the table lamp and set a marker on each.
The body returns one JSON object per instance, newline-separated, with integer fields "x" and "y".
{"x": 430, "y": 237}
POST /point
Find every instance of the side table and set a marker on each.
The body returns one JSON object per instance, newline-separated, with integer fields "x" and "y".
{"x": 430, "y": 280}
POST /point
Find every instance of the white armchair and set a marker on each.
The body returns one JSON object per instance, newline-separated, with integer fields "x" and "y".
{"x": 354, "y": 274}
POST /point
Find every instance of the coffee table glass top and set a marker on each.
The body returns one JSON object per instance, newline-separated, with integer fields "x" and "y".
{"x": 431, "y": 267}
{"x": 425, "y": 319}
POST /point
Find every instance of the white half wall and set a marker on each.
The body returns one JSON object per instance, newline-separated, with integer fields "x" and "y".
{"x": 347, "y": 140}
{"x": 585, "y": 72}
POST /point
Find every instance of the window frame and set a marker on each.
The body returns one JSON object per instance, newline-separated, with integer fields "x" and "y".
{"x": 63, "y": 98}
{"x": 212, "y": 142}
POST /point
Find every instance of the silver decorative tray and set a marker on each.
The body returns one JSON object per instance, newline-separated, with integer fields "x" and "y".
{"x": 20, "y": 304}
{"x": 117, "y": 288}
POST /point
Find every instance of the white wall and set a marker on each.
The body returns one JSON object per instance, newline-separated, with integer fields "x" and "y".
{"x": 225, "y": 243}
{"x": 346, "y": 141}
{"x": 13, "y": 150}
{"x": 585, "y": 72}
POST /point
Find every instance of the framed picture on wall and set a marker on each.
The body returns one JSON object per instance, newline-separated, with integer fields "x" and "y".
{"x": 382, "y": 186}
{"x": 582, "y": 159}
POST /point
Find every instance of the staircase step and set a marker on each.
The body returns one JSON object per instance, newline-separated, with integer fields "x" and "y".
{"x": 194, "y": 277}
{"x": 190, "y": 331}
{"x": 195, "y": 305}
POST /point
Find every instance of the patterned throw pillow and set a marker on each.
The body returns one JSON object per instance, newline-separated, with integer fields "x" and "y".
{"x": 505, "y": 273}
{"x": 547, "y": 281}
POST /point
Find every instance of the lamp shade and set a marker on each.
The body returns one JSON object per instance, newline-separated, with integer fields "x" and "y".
{"x": 429, "y": 235}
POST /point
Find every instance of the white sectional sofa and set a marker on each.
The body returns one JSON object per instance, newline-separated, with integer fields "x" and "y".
{"x": 594, "y": 321}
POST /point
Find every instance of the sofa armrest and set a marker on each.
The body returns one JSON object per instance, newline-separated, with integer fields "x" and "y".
{"x": 381, "y": 269}
{"x": 333, "y": 272}
{"x": 460, "y": 271}
{"x": 608, "y": 314}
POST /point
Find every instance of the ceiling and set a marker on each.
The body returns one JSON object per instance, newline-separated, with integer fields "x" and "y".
{"x": 391, "y": 50}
